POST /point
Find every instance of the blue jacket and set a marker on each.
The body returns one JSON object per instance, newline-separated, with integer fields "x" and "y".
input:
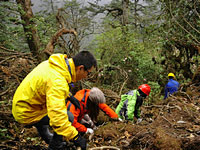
{"x": 171, "y": 87}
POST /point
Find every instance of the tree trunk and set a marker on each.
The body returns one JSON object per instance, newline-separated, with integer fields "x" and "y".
{"x": 125, "y": 4}
{"x": 29, "y": 27}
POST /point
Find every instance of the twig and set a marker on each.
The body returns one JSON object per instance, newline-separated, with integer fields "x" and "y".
{"x": 7, "y": 146}
{"x": 196, "y": 11}
{"x": 6, "y": 112}
{"x": 167, "y": 121}
{"x": 104, "y": 147}
{"x": 8, "y": 50}
{"x": 190, "y": 25}
{"x": 190, "y": 100}
{"x": 7, "y": 59}
{"x": 159, "y": 106}
{"x": 123, "y": 86}
{"x": 188, "y": 111}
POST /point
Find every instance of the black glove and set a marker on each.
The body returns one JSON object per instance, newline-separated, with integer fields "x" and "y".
{"x": 74, "y": 101}
{"x": 79, "y": 141}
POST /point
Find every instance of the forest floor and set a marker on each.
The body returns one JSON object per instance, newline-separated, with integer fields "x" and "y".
{"x": 171, "y": 124}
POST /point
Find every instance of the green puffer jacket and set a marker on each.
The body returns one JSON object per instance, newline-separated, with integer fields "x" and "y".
{"x": 127, "y": 107}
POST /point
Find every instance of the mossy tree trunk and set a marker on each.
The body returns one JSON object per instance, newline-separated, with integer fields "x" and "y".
{"x": 29, "y": 27}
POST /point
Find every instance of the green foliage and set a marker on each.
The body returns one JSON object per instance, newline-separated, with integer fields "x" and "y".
{"x": 46, "y": 27}
{"x": 4, "y": 135}
{"x": 132, "y": 56}
{"x": 11, "y": 32}
{"x": 155, "y": 92}
{"x": 181, "y": 30}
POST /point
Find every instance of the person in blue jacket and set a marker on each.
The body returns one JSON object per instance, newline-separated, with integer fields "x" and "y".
{"x": 172, "y": 85}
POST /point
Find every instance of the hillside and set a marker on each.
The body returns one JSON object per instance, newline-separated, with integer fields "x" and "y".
{"x": 170, "y": 124}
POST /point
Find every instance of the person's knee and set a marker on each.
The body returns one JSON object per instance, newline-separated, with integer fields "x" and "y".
{"x": 43, "y": 121}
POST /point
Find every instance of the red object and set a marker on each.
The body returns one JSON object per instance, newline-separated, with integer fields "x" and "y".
{"x": 145, "y": 88}
{"x": 82, "y": 96}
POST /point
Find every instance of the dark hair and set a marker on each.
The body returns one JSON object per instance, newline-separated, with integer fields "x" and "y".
{"x": 93, "y": 109}
{"x": 170, "y": 77}
{"x": 86, "y": 59}
{"x": 142, "y": 93}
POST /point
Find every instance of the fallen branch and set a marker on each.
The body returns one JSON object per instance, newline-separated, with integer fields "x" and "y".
{"x": 8, "y": 59}
{"x": 190, "y": 100}
{"x": 5, "y": 49}
{"x": 167, "y": 121}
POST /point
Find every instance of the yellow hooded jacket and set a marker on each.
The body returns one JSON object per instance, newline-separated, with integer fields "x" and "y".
{"x": 43, "y": 92}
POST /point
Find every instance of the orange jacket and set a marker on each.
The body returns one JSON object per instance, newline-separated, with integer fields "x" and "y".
{"x": 82, "y": 96}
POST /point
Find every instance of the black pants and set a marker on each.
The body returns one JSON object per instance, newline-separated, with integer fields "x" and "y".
{"x": 43, "y": 127}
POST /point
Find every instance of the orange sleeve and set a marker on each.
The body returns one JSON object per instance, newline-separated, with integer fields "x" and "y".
{"x": 106, "y": 109}
{"x": 76, "y": 124}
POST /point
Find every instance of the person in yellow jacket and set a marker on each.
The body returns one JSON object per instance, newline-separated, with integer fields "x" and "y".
{"x": 40, "y": 99}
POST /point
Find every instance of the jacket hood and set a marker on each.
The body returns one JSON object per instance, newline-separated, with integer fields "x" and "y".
{"x": 57, "y": 62}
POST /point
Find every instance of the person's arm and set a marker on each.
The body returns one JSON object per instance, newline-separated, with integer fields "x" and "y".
{"x": 106, "y": 109}
{"x": 57, "y": 91}
{"x": 138, "y": 113}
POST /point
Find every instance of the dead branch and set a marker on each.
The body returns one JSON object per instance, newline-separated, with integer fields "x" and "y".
{"x": 7, "y": 146}
{"x": 188, "y": 112}
{"x": 16, "y": 77}
{"x": 50, "y": 46}
{"x": 171, "y": 124}
{"x": 7, "y": 59}
{"x": 5, "y": 49}
{"x": 190, "y": 25}
{"x": 190, "y": 100}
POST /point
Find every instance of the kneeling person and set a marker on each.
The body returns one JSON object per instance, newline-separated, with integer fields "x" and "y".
{"x": 91, "y": 101}
{"x": 129, "y": 106}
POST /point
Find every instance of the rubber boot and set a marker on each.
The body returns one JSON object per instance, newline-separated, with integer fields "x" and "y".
{"x": 44, "y": 132}
{"x": 57, "y": 143}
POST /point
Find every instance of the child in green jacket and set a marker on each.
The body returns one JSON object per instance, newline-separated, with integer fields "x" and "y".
{"x": 129, "y": 106}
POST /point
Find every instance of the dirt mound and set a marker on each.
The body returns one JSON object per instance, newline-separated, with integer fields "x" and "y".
{"x": 171, "y": 124}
